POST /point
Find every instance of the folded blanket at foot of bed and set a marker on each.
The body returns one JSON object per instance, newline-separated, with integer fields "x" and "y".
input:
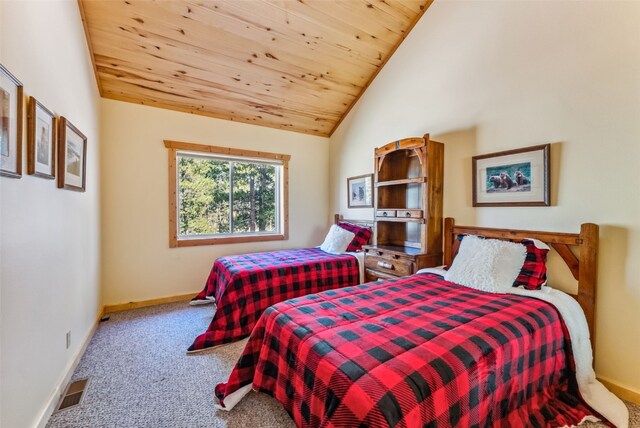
{"x": 412, "y": 352}
{"x": 244, "y": 286}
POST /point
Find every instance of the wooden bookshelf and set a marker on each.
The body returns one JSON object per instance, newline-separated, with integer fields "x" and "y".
{"x": 408, "y": 186}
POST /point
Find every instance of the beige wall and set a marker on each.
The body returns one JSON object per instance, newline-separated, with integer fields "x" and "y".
{"x": 490, "y": 76}
{"x": 49, "y": 238}
{"x": 136, "y": 260}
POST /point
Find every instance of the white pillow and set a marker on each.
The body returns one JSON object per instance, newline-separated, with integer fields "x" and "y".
{"x": 487, "y": 264}
{"x": 439, "y": 270}
{"x": 538, "y": 243}
{"x": 337, "y": 240}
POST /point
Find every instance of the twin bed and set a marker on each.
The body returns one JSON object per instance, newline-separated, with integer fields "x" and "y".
{"x": 422, "y": 351}
{"x": 244, "y": 286}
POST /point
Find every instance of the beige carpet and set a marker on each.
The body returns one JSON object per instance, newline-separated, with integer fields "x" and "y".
{"x": 141, "y": 377}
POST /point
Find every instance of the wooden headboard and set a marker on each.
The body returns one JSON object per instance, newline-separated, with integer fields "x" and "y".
{"x": 583, "y": 267}
{"x": 364, "y": 223}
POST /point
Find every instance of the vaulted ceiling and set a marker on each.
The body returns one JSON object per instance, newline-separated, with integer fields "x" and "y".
{"x": 291, "y": 64}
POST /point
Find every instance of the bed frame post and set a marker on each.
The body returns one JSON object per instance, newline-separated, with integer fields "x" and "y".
{"x": 336, "y": 218}
{"x": 588, "y": 273}
{"x": 448, "y": 240}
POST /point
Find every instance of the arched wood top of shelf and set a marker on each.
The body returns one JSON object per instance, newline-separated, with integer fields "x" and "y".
{"x": 413, "y": 146}
{"x": 404, "y": 144}
{"x": 401, "y": 181}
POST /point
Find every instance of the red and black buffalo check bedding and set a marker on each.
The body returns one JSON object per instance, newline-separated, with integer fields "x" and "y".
{"x": 413, "y": 352}
{"x": 244, "y": 286}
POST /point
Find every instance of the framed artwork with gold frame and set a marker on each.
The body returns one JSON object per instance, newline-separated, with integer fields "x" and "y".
{"x": 11, "y": 104}
{"x": 41, "y": 140}
{"x": 72, "y": 157}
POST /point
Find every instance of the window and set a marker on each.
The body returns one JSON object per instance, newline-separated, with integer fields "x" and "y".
{"x": 219, "y": 195}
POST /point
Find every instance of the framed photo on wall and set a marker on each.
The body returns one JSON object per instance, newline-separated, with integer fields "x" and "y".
{"x": 41, "y": 140}
{"x": 512, "y": 178}
{"x": 11, "y": 100}
{"x": 72, "y": 157}
{"x": 360, "y": 191}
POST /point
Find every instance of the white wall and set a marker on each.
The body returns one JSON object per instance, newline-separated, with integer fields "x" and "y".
{"x": 489, "y": 76}
{"x": 136, "y": 260}
{"x": 49, "y": 238}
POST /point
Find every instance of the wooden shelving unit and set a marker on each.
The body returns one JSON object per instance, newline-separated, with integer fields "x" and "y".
{"x": 408, "y": 208}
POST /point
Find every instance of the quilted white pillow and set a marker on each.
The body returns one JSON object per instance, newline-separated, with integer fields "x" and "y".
{"x": 337, "y": 240}
{"x": 487, "y": 264}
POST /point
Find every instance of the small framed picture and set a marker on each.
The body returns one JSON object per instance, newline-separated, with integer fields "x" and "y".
{"x": 359, "y": 191}
{"x": 512, "y": 178}
{"x": 41, "y": 140}
{"x": 72, "y": 156}
{"x": 11, "y": 101}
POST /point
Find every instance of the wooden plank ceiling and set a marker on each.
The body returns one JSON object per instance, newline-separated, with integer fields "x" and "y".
{"x": 291, "y": 64}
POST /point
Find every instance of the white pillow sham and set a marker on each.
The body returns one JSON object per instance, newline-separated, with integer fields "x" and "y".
{"x": 489, "y": 265}
{"x": 337, "y": 240}
{"x": 538, "y": 243}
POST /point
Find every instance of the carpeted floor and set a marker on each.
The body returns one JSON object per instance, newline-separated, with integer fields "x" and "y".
{"x": 141, "y": 377}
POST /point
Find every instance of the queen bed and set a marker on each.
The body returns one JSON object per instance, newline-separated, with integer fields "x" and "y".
{"x": 244, "y": 286}
{"x": 422, "y": 351}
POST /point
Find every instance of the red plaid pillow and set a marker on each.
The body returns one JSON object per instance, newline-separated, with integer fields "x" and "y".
{"x": 363, "y": 234}
{"x": 533, "y": 274}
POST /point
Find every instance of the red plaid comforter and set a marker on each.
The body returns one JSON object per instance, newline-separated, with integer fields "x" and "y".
{"x": 413, "y": 352}
{"x": 245, "y": 286}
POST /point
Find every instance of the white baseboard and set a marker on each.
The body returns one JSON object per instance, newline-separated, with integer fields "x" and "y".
{"x": 55, "y": 396}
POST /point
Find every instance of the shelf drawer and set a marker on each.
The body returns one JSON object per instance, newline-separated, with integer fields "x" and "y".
{"x": 374, "y": 275}
{"x": 386, "y": 213}
{"x": 409, "y": 213}
{"x": 390, "y": 265}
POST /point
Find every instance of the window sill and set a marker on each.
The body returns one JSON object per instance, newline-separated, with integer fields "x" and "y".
{"x": 192, "y": 242}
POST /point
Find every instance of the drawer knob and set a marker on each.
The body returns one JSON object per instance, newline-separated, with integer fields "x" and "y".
{"x": 385, "y": 265}
{"x": 408, "y": 214}
{"x": 384, "y": 214}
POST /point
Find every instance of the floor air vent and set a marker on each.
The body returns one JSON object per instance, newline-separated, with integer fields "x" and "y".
{"x": 73, "y": 395}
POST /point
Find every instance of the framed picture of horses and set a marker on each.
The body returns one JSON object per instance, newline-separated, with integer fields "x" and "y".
{"x": 512, "y": 178}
